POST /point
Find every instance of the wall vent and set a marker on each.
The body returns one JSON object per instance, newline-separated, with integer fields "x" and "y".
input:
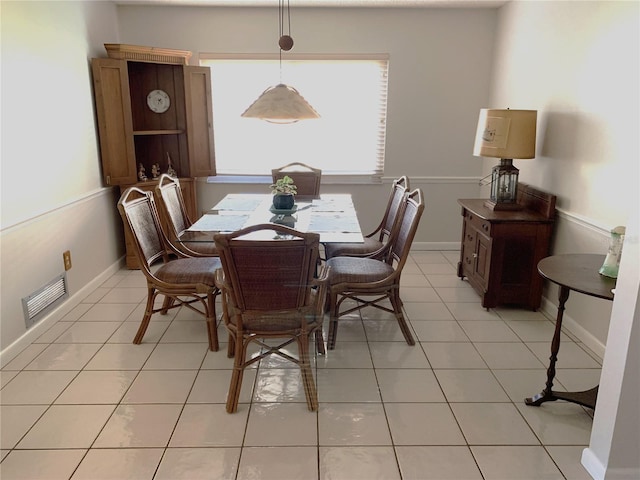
{"x": 43, "y": 300}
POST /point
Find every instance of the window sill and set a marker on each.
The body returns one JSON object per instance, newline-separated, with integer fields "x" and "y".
{"x": 326, "y": 179}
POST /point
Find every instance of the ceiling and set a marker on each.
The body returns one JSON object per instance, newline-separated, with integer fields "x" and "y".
{"x": 322, "y": 3}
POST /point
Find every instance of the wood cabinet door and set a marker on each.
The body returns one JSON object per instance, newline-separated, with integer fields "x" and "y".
{"x": 199, "y": 109}
{"x": 482, "y": 266}
{"x": 113, "y": 109}
{"x": 467, "y": 258}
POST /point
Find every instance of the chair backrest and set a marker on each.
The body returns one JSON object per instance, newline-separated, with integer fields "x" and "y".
{"x": 394, "y": 206}
{"x": 140, "y": 217}
{"x": 269, "y": 274}
{"x": 171, "y": 205}
{"x": 306, "y": 178}
{"x": 402, "y": 237}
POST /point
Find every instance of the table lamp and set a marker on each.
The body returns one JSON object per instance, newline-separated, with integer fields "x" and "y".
{"x": 505, "y": 134}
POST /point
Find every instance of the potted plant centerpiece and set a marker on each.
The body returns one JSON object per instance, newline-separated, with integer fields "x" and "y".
{"x": 283, "y": 193}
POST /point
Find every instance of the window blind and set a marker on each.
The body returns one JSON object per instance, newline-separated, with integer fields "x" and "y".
{"x": 348, "y": 91}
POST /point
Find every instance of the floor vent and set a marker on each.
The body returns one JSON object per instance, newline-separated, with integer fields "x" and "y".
{"x": 43, "y": 300}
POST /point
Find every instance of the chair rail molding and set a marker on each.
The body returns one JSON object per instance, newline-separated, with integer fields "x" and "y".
{"x": 73, "y": 202}
{"x": 585, "y": 222}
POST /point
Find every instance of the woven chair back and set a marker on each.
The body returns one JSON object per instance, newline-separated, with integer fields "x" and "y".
{"x": 394, "y": 206}
{"x": 406, "y": 230}
{"x": 306, "y": 178}
{"x": 267, "y": 275}
{"x": 141, "y": 220}
{"x": 172, "y": 203}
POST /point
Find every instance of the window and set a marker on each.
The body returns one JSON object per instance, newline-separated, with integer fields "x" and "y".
{"x": 349, "y": 93}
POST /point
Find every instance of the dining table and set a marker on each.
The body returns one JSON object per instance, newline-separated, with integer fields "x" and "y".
{"x": 332, "y": 216}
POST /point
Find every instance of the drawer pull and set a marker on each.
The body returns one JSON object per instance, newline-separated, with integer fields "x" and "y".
{"x": 475, "y": 255}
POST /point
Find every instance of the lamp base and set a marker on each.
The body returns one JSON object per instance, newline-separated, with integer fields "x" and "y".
{"x": 497, "y": 206}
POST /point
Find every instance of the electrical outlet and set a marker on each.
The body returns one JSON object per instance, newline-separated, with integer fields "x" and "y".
{"x": 66, "y": 256}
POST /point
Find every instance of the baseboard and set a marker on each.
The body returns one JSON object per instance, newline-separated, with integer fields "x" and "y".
{"x": 598, "y": 471}
{"x": 424, "y": 246}
{"x": 10, "y": 352}
{"x": 550, "y": 309}
{"x": 592, "y": 464}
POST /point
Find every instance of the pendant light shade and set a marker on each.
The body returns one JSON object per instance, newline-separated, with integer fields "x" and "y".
{"x": 280, "y": 104}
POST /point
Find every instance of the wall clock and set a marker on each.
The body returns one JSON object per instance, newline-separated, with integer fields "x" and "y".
{"x": 158, "y": 101}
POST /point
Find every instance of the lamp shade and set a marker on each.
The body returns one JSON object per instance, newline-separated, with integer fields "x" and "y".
{"x": 506, "y": 134}
{"x": 280, "y": 104}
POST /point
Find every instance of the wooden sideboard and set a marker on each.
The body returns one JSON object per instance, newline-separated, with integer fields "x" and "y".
{"x": 500, "y": 250}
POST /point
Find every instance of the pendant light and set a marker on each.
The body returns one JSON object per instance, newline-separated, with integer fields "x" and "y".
{"x": 281, "y": 103}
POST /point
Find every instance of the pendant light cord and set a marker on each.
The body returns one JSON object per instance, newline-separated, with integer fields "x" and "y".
{"x": 280, "y": 66}
{"x": 281, "y": 22}
{"x": 281, "y": 19}
{"x": 280, "y": 33}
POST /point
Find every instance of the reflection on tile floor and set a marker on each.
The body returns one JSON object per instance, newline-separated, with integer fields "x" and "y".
{"x": 82, "y": 402}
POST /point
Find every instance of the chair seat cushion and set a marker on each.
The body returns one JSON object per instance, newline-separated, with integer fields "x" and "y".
{"x": 357, "y": 270}
{"x": 189, "y": 270}
{"x": 337, "y": 249}
{"x": 204, "y": 248}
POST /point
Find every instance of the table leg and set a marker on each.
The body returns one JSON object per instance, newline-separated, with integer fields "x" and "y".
{"x": 547, "y": 394}
{"x": 586, "y": 398}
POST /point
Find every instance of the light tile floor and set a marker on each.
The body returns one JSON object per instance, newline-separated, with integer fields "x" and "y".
{"x": 82, "y": 402}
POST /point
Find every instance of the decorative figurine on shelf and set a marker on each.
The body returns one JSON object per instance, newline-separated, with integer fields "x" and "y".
{"x": 142, "y": 176}
{"x": 170, "y": 171}
{"x": 155, "y": 171}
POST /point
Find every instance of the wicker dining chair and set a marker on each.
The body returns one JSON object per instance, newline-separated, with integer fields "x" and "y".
{"x": 172, "y": 210}
{"x": 185, "y": 281}
{"x": 269, "y": 292}
{"x": 306, "y": 178}
{"x": 376, "y": 240}
{"x": 360, "y": 278}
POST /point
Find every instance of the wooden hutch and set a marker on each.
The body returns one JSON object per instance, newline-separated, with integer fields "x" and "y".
{"x": 153, "y": 109}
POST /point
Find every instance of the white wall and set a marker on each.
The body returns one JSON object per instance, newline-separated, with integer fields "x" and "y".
{"x": 440, "y": 60}
{"x": 577, "y": 64}
{"x": 615, "y": 436}
{"x": 51, "y": 192}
